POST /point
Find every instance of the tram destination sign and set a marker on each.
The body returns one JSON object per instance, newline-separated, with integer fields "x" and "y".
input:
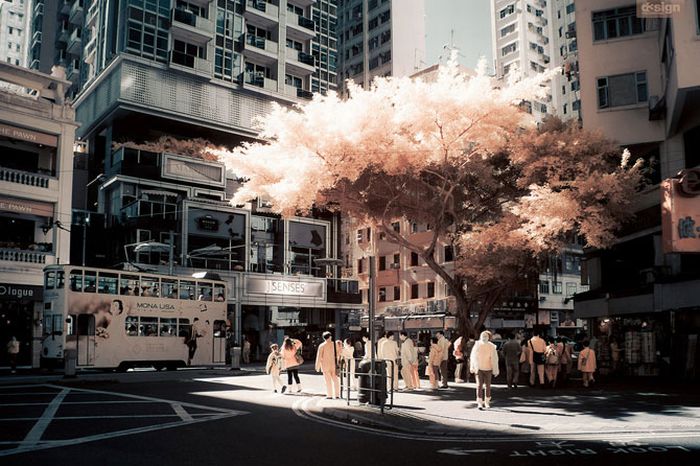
{"x": 267, "y": 286}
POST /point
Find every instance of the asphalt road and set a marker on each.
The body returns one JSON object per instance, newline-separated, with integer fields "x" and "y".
{"x": 205, "y": 417}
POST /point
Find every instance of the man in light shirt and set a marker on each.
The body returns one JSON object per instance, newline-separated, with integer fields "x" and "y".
{"x": 538, "y": 347}
{"x": 390, "y": 352}
{"x": 444, "y": 345}
{"x": 408, "y": 360}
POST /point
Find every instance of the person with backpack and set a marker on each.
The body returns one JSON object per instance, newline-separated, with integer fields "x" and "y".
{"x": 291, "y": 356}
{"x": 274, "y": 367}
{"x": 587, "y": 363}
{"x": 551, "y": 366}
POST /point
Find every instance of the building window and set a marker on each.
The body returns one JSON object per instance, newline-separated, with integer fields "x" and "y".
{"x": 414, "y": 259}
{"x": 382, "y": 295}
{"x": 507, "y": 11}
{"x": 617, "y": 22}
{"x": 556, "y": 287}
{"x": 449, "y": 253}
{"x": 359, "y": 266}
{"x": 570, "y": 289}
{"x": 570, "y": 8}
{"x": 510, "y": 48}
{"x": 507, "y": 30}
{"x": 544, "y": 287}
{"x": 622, "y": 89}
{"x": 397, "y": 293}
{"x": 397, "y": 260}
{"x": 369, "y": 234}
{"x": 359, "y": 236}
{"x": 414, "y": 291}
{"x": 431, "y": 290}
{"x": 382, "y": 262}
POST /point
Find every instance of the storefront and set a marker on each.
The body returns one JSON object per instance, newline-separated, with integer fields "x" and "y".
{"x": 20, "y": 307}
{"x": 275, "y": 306}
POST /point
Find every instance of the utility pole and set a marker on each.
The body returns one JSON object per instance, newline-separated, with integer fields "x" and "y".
{"x": 371, "y": 304}
{"x": 170, "y": 252}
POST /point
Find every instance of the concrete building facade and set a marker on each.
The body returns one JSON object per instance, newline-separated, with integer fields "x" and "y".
{"x": 379, "y": 38}
{"x": 640, "y": 85}
{"x": 36, "y": 134}
{"x": 15, "y": 31}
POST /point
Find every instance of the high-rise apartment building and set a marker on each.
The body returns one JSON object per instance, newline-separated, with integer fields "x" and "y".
{"x": 640, "y": 85}
{"x": 14, "y": 31}
{"x": 533, "y": 36}
{"x": 380, "y": 38}
{"x": 187, "y": 69}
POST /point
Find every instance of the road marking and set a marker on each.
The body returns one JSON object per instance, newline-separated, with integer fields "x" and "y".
{"x": 78, "y": 403}
{"x": 180, "y": 411}
{"x": 39, "y": 428}
{"x": 301, "y": 409}
{"x": 33, "y": 442}
{"x": 463, "y": 452}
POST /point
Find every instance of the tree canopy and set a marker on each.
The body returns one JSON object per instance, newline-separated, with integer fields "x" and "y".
{"x": 458, "y": 153}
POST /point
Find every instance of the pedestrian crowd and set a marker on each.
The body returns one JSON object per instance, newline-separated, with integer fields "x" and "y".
{"x": 541, "y": 361}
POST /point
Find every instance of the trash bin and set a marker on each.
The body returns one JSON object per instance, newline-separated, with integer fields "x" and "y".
{"x": 70, "y": 358}
{"x": 235, "y": 357}
{"x": 361, "y": 373}
{"x": 377, "y": 384}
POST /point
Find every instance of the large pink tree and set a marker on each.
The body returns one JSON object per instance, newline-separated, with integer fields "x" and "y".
{"x": 456, "y": 152}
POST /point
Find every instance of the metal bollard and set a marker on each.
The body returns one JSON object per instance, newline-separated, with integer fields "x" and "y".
{"x": 70, "y": 357}
{"x": 235, "y": 358}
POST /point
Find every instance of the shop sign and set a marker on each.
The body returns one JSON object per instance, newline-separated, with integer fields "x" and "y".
{"x": 12, "y": 291}
{"x": 41, "y": 209}
{"x": 680, "y": 212}
{"x": 28, "y": 135}
{"x": 268, "y": 286}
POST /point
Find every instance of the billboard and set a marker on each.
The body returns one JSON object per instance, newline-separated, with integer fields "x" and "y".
{"x": 680, "y": 212}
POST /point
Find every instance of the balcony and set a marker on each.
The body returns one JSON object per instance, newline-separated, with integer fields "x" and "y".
{"x": 190, "y": 64}
{"x": 75, "y": 15}
{"x": 297, "y": 92}
{"x": 260, "y": 49}
{"x": 73, "y": 71}
{"x": 300, "y": 63}
{"x": 36, "y": 37}
{"x": 64, "y": 31}
{"x": 65, "y": 6}
{"x": 190, "y": 27}
{"x": 75, "y": 43}
{"x": 299, "y": 27}
{"x": 259, "y": 80}
{"x": 261, "y": 13}
{"x": 26, "y": 178}
{"x": 18, "y": 255}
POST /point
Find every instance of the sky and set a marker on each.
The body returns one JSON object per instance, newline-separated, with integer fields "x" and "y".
{"x": 471, "y": 22}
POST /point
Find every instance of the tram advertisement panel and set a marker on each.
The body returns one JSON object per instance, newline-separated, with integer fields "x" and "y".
{"x": 110, "y": 329}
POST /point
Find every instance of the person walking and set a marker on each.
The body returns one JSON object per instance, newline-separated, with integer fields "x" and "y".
{"x": 537, "y": 346}
{"x": 367, "y": 348}
{"x": 246, "y": 350}
{"x": 327, "y": 363}
{"x": 564, "y": 360}
{"x": 525, "y": 358}
{"x": 615, "y": 355}
{"x": 511, "y": 353}
{"x": 390, "y": 353}
{"x": 587, "y": 363}
{"x": 552, "y": 357}
{"x": 434, "y": 361}
{"x": 459, "y": 358}
{"x": 484, "y": 365}
{"x": 291, "y": 357}
{"x": 13, "y": 353}
{"x": 408, "y": 360}
{"x": 348, "y": 355}
{"x": 274, "y": 367}
{"x": 467, "y": 355}
{"x": 445, "y": 347}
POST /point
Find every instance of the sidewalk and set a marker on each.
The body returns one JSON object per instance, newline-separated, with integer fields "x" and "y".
{"x": 525, "y": 411}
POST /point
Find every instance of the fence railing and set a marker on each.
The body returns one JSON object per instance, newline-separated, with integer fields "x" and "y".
{"x": 22, "y": 177}
{"x": 379, "y": 390}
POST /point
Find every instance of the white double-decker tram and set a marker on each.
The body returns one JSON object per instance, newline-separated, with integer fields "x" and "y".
{"x": 119, "y": 319}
